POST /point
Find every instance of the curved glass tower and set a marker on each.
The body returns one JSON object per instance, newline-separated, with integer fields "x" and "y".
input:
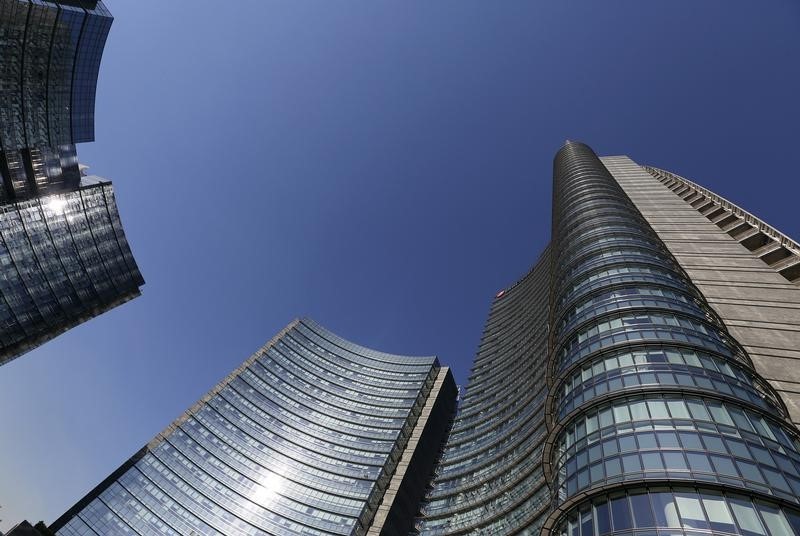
{"x": 65, "y": 259}
{"x": 658, "y": 417}
{"x": 50, "y": 55}
{"x": 311, "y": 435}
{"x": 490, "y": 479}
{"x": 608, "y": 396}
{"x": 63, "y": 255}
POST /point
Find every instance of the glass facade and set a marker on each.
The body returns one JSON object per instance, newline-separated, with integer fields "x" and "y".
{"x": 49, "y": 62}
{"x": 490, "y": 479}
{"x": 303, "y": 438}
{"x": 63, "y": 254}
{"x": 608, "y": 397}
{"x": 63, "y": 260}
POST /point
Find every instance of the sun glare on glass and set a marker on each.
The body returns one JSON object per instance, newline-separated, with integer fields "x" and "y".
{"x": 269, "y": 486}
{"x": 56, "y": 205}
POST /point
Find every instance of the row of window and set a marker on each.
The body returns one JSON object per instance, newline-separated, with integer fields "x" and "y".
{"x": 634, "y": 413}
{"x": 719, "y": 442}
{"x": 658, "y": 328}
{"x": 664, "y": 366}
{"x": 684, "y": 509}
{"x": 631, "y": 296}
{"x": 632, "y": 273}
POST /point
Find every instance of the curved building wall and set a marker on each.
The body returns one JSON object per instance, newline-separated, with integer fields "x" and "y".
{"x": 748, "y": 270}
{"x": 50, "y": 56}
{"x": 64, "y": 260}
{"x": 490, "y": 478}
{"x": 654, "y": 409}
{"x": 608, "y": 396}
{"x": 303, "y": 438}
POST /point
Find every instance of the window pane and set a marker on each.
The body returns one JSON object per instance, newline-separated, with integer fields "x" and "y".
{"x": 674, "y": 460}
{"x": 621, "y": 414}
{"x": 746, "y": 517}
{"x": 794, "y": 521}
{"x": 718, "y": 513}
{"x": 641, "y": 510}
{"x": 724, "y": 465}
{"x": 621, "y": 513}
{"x": 602, "y": 517}
{"x": 657, "y": 409}
{"x": 639, "y": 411}
{"x": 587, "y": 527}
{"x": 774, "y": 520}
{"x": 664, "y": 509}
{"x": 678, "y": 409}
{"x": 631, "y": 463}
{"x": 690, "y": 440}
{"x": 652, "y": 461}
{"x": 698, "y": 410}
{"x": 691, "y": 511}
{"x": 699, "y": 462}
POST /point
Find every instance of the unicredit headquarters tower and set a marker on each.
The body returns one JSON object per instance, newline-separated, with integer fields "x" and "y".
{"x": 642, "y": 379}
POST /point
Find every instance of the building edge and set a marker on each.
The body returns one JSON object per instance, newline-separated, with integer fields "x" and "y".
{"x": 56, "y": 525}
{"x": 396, "y": 513}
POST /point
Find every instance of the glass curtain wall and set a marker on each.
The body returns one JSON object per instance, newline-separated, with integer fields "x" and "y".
{"x": 490, "y": 479}
{"x": 648, "y": 391}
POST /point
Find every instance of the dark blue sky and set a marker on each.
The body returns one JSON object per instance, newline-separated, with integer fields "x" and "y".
{"x": 382, "y": 167}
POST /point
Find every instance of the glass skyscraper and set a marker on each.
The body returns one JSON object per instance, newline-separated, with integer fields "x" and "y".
{"x": 50, "y": 55}
{"x": 311, "y": 435}
{"x": 63, "y": 254}
{"x": 643, "y": 379}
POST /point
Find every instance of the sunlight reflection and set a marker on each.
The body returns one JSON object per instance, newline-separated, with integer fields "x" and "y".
{"x": 265, "y": 491}
{"x": 56, "y": 204}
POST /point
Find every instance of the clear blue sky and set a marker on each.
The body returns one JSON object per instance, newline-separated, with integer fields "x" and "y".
{"x": 382, "y": 167}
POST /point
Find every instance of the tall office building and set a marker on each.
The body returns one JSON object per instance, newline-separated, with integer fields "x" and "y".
{"x": 311, "y": 435}
{"x": 644, "y": 375}
{"x": 642, "y": 379}
{"x": 63, "y": 254}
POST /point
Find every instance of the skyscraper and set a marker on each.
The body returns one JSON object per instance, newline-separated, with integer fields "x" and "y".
{"x": 642, "y": 376}
{"x": 641, "y": 379}
{"x": 63, "y": 254}
{"x": 311, "y": 435}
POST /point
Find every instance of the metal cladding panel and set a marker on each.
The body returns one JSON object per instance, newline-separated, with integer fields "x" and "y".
{"x": 63, "y": 260}
{"x": 401, "y": 502}
{"x": 302, "y": 438}
{"x": 750, "y": 290}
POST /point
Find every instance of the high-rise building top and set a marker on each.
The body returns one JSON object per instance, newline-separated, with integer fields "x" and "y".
{"x": 63, "y": 254}
{"x": 49, "y": 61}
{"x": 642, "y": 376}
{"x": 311, "y": 435}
